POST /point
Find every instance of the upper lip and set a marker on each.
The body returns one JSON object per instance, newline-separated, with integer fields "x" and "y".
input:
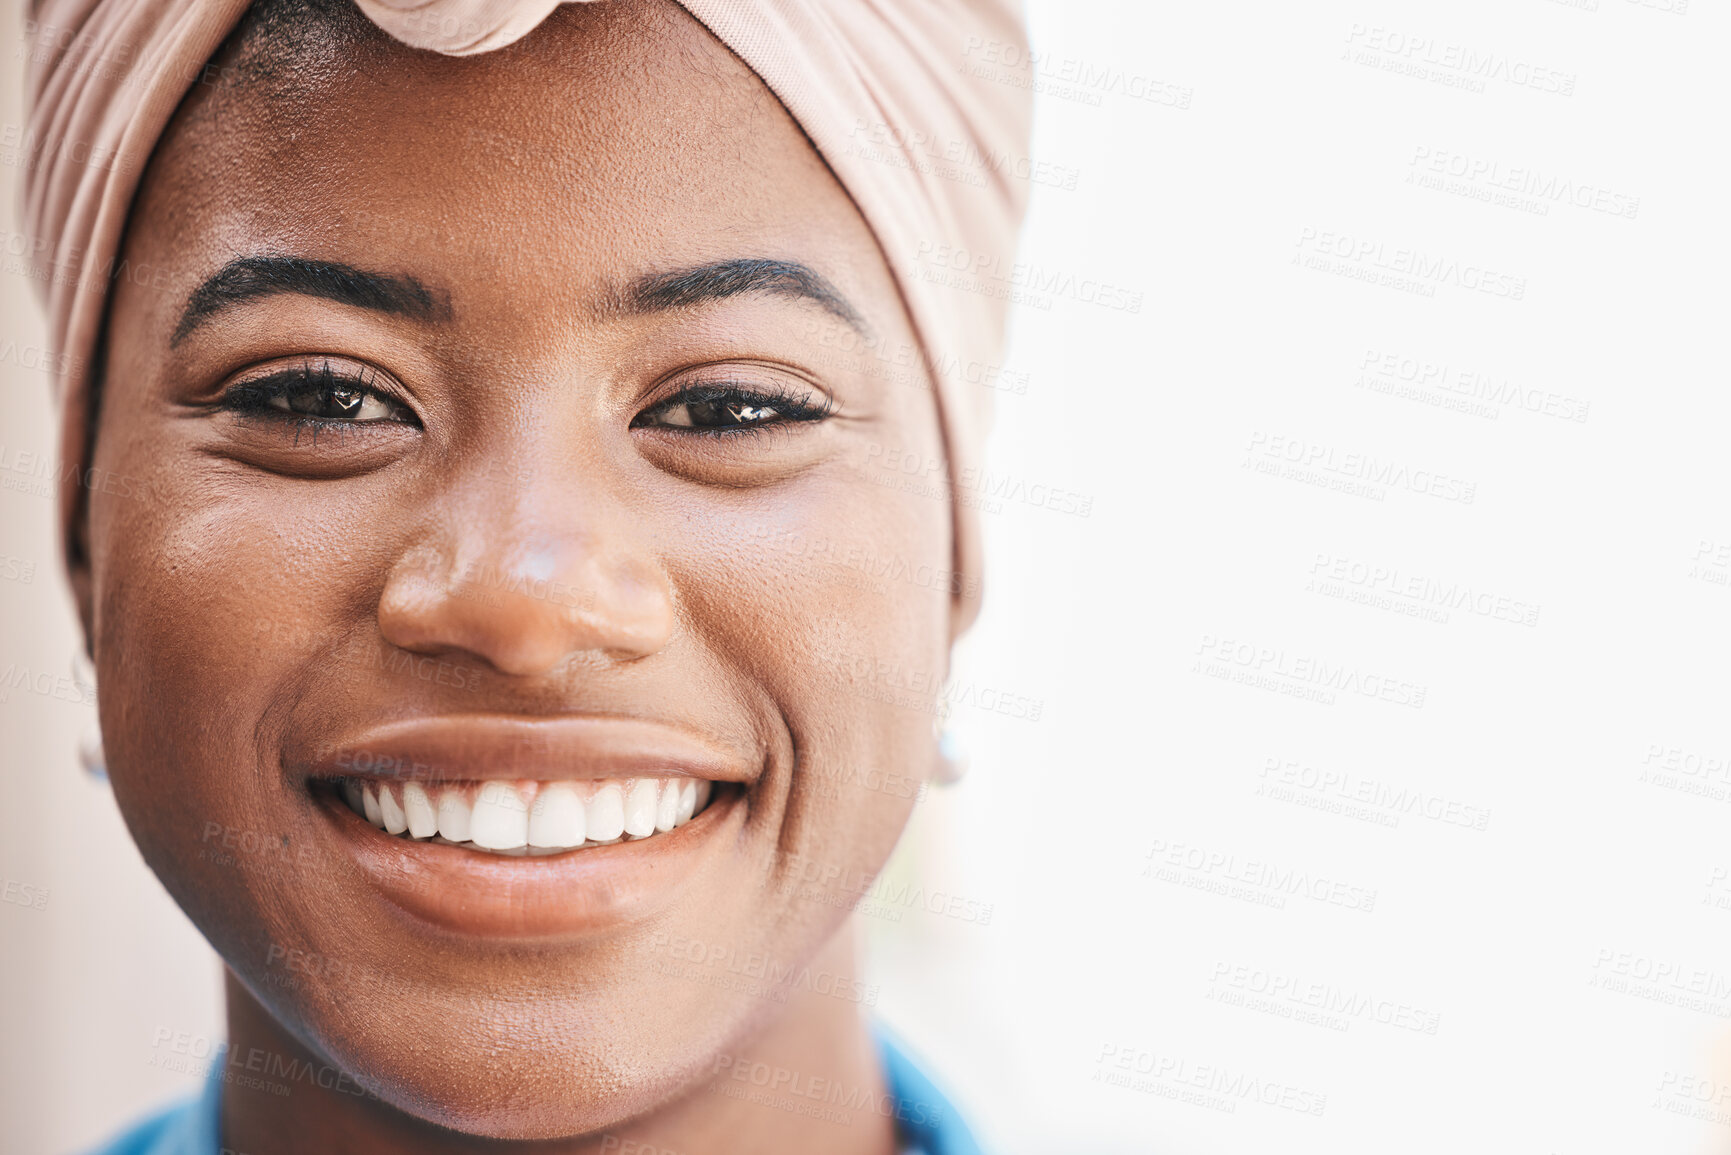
{"x": 479, "y": 747}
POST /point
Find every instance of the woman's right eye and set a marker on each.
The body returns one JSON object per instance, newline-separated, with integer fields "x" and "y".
{"x": 317, "y": 393}
{"x": 333, "y": 403}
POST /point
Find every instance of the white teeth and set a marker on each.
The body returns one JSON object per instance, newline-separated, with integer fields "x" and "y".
{"x": 557, "y": 818}
{"x": 454, "y": 813}
{"x": 418, "y": 809}
{"x": 667, "y": 806}
{"x": 395, "y": 820}
{"x": 529, "y": 817}
{"x": 640, "y": 807}
{"x": 501, "y": 819}
{"x": 606, "y": 815}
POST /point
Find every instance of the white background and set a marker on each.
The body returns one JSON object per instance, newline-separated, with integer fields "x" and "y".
{"x": 1571, "y": 954}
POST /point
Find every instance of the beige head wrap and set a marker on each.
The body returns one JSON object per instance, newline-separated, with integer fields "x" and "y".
{"x": 934, "y": 157}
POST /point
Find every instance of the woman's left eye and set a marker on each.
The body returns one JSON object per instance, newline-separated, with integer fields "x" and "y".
{"x": 730, "y": 408}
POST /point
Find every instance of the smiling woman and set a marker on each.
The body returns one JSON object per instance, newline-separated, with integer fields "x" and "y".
{"x": 524, "y": 355}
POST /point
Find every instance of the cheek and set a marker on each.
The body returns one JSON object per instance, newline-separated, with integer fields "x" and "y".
{"x": 835, "y": 606}
{"x": 211, "y": 601}
{"x": 207, "y": 594}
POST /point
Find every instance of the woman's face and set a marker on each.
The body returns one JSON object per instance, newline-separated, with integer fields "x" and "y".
{"x": 508, "y": 421}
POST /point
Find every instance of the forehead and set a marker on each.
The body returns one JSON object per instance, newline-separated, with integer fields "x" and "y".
{"x": 616, "y": 139}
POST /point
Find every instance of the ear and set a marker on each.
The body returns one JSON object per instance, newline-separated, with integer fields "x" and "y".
{"x": 73, "y": 506}
{"x": 966, "y": 561}
{"x": 77, "y": 554}
{"x": 964, "y": 607}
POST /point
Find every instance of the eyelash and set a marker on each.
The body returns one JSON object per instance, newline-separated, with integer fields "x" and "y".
{"x": 793, "y": 407}
{"x": 254, "y": 399}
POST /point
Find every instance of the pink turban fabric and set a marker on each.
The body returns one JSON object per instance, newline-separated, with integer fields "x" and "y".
{"x": 934, "y": 157}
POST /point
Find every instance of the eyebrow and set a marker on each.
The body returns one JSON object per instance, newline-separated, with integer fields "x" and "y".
{"x": 250, "y": 278}
{"x": 723, "y": 279}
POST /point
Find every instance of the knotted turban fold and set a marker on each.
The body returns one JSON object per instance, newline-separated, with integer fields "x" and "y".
{"x": 920, "y": 107}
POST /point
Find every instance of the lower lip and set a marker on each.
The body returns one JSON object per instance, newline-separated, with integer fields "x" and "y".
{"x": 569, "y": 895}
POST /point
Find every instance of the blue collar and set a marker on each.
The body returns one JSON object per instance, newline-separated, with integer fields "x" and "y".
{"x": 926, "y": 1122}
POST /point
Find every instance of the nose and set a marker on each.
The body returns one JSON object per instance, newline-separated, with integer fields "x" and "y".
{"x": 526, "y": 576}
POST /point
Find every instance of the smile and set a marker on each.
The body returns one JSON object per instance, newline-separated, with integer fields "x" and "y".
{"x": 526, "y": 816}
{"x": 540, "y": 828}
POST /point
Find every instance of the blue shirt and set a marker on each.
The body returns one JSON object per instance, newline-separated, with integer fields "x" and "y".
{"x": 926, "y": 1123}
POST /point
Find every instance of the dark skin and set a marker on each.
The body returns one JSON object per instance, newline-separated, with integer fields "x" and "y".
{"x": 535, "y": 422}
